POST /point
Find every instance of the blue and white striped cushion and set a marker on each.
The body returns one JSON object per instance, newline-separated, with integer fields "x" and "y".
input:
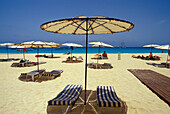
{"x": 106, "y": 97}
{"x": 68, "y": 96}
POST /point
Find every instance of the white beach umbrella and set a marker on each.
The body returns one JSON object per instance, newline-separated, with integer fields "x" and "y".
{"x": 83, "y": 25}
{"x": 151, "y": 46}
{"x": 163, "y": 47}
{"x": 167, "y": 47}
{"x": 71, "y": 45}
{"x": 6, "y": 44}
{"x": 53, "y": 45}
{"x": 100, "y": 44}
{"x": 36, "y": 44}
{"x": 16, "y": 47}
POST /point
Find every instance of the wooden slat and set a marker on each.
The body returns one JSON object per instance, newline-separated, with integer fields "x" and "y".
{"x": 158, "y": 83}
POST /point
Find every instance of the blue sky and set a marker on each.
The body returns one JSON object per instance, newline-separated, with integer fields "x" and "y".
{"x": 20, "y": 20}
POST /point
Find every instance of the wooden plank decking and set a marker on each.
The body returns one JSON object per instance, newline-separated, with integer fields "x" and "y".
{"x": 158, "y": 83}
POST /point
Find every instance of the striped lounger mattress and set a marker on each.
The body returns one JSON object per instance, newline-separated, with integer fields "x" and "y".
{"x": 67, "y": 96}
{"x": 106, "y": 97}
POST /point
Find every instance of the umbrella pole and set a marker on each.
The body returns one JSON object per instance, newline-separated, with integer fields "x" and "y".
{"x": 71, "y": 56}
{"x": 167, "y": 57}
{"x": 151, "y": 49}
{"x": 37, "y": 59}
{"x": 86, "y": 61}
{"x": 23, "y": 54}
{"x": 52, "y": 52}
{"x": 7, "y": 52}
{"x": 98, "y": 56}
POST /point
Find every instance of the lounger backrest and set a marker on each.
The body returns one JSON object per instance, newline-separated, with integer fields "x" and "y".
{"x": 53, "y": 73}
{"x": 106, "y": 97}
{"x": 67, "y": 96}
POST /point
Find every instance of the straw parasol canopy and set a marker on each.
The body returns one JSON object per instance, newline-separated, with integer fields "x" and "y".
{"x": 82, "y": 25}
{"x": 6, "y": 44}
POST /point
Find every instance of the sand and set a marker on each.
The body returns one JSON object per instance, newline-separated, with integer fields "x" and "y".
{"x": 32, "y": 97}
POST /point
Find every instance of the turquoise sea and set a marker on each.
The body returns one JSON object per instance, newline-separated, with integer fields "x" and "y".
{"x": 83, "y": 50}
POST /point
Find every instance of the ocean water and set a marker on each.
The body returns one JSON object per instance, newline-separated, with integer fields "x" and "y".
{"x": 83, "y": 50}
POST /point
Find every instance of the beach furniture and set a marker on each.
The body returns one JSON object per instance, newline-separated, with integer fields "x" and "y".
{"x": 161, "y": 65}
{"x": 100, "y": 57}
{"x": 49, "y": 75}
{"x": 26, "y": 63}
{"x": 65, "y": 100}
{"x": 107, "y": 101}
{"x": 51, "y": 56}
{"x": 73, "y": 59}
{"x": 30, "y": 76}
{"x": 10, "y": 59}
{"x": 99, "y": 66}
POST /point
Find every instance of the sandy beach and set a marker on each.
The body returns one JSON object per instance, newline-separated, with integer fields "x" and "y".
{"x": 17, "y": 97}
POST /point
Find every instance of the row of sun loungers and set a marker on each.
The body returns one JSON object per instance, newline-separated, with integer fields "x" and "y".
{"x": 39, "y": 75}
{"x": 10, "y": 59}
{"x": 73, "y": 59}
{"x": 51, "y": 56}
{"x": 146, "y": 58}
{"x": 27, "y": 64}
{"x": 47, "y": 56}
{"x": 99, "y": 66}
{"x": 161, "y": 65}
{"x": 99, "y": 57}
{"x": 106, "y": 102}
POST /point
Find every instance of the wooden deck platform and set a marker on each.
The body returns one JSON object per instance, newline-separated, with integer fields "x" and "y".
{"x": 158, "y": 83}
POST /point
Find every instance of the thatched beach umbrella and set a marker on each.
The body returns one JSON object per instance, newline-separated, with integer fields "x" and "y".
{"x": 6, "y": 45}
{"x": 87, "y": 25}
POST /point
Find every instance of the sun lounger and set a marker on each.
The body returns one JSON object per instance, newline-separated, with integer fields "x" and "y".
{"x": 107, "y": 100}
{"x": 73, "y": 60}
{"x": 41, "y": 62}
{"x": 31, "y": 76}
{"x": 64, "y": 101}
{"x": 162, "y": 65}
{"x": 107, "y": 66}
{"x": 9, "y": 59}
{"x": 99, "y": 57}
{"x": 49, "y": 75}
{"x": 26, "y": 63}
{"x": 99, "y": 66}
{"x": 51, "y": 56}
